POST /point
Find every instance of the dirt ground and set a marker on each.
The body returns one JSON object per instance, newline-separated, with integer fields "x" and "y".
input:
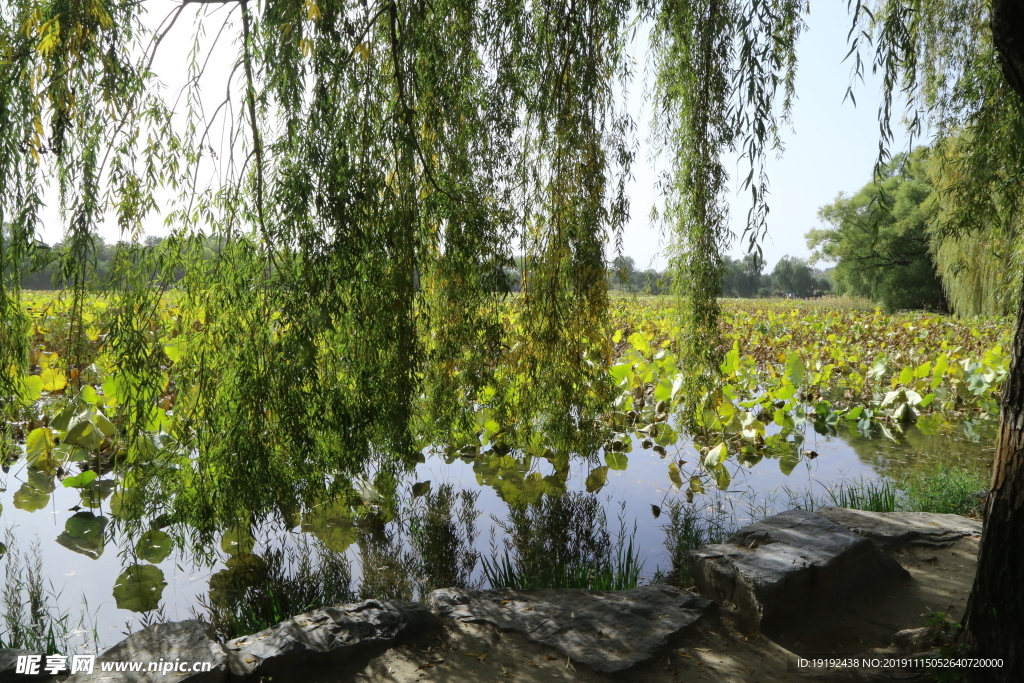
{"x": 713, "y": 650}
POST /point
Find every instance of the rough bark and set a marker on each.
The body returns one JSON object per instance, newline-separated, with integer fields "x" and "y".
{"x": 994, "y": 619}
{"x": 1008, "y": 35}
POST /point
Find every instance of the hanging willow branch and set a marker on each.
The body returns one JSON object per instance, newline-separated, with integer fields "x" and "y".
{"x": 720, "y": 65}
{"x": 401, "y": 151}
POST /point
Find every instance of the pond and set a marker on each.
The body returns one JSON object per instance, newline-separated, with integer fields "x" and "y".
{"x": 83, "y": 565}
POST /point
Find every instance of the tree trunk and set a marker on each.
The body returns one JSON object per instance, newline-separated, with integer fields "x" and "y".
{"x": 1008, "y": 35}
{"x": 994, "y": 619}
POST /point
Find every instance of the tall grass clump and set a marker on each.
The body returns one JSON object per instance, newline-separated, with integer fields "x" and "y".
{"x": 257, "y": 591}
{"x": 562, "y": 542}
{"x": 950, "y": 490}
{"x": 947, "y": 490}
{"x": 28, "y": 619}
{"x": 688, "y": 528}
{"x": 441, "y": 534}
{"x": 875, "y": 495}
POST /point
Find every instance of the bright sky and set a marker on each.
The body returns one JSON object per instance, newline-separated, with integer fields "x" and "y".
{"x": 832, "y": 148}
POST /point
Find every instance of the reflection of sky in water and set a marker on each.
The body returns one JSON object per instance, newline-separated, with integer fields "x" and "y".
{"x": 78, "y": 579}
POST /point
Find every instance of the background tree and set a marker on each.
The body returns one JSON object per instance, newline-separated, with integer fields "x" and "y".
{"x": 742, "y": 277}
{"x": 794, "y": 276}
{"x": 623, "y": 275}
{"x": 880, "y": 238}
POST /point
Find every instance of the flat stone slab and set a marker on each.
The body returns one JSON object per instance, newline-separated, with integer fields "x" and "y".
{"x": 776, "y": 569}
{"x": 184, "y": 644}
{"x": 9, "y": 665}
{"x": 606, "y": 631}
{"x": 893, "y": 531}
{"x": 315, "y": 638}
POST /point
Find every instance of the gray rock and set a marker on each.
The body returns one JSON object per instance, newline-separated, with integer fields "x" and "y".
{"x": 606, "y": 631}
{"x": 183, "y": 643}
{"x": 322, "y": 636}
{"x": 9, "y": 664}
{"x": 911, "y": 640}
{"x": 771, "y": 572}
{"x": 896, "y": 530}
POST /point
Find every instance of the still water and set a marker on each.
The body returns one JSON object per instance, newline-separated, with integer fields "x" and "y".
{"x": 78, "y": 575}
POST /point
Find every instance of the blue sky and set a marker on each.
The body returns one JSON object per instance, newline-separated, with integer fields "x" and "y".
{"x": 832, "y": 148}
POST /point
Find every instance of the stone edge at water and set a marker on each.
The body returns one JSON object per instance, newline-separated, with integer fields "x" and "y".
{"x": 9, "y": 663}
{"x": 186, "y": 641}
{"x": 327, "y": 635}
{"x": 606, "y": 631}
{"x": 893, "y": 531}
{"x": 774, "y": 570}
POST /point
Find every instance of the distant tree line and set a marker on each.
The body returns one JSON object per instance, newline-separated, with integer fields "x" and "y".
{"x": 45, "y": 271}
{"x": 741, "y": 278}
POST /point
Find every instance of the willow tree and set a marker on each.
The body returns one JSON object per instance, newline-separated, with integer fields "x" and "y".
{"x": 980, "y": 269}
{"x": 377, "y": 165}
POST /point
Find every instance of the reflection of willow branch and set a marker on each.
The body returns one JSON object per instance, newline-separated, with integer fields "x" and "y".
{"x": 257, "y": 145}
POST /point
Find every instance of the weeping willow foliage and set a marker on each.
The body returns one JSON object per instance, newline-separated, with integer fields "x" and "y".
{"x": 952, "y": 68}
{"x": 723, "y": 68}
{"x": 342, "y": 220}
{"x": 940, "y": 55}
{"x": 980, "y": 268}
{"x": 980, "y": 276}
{"x": 381, "y": 163}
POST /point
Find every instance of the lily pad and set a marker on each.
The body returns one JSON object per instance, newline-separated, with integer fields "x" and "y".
{"x": 95, "y": 493}
{"x": 332, "y": 524}
{"x": 237, "y": 540}
{"x": 41, "y": 482}
{"x": 139, "y": 588}
{"x": 39, "y": 442}
{"x": 788, "y": 462}
{"x": 666, "y": 436}
{"x": 154, "y": 546}
{"x": 85, "y": 434}
{"x": 596, "y": 479}
{"x": 616, "y": 461}
{"x": 80, "y": 480}
{"x": 83, "y": 533}
{"x": 30, "y": 499}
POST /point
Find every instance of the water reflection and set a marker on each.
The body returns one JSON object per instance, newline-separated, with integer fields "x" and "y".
{"x": 464, "y": 518}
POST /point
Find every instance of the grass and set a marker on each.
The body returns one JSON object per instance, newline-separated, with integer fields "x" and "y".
{"x": 940, "y": 489}
{"x": 29, "y": 621}
{"x": 949, "y": 490}
{"x": 256, "y": 592}
{"x": 875, "y": 495}
{"x": 689, "y": 528}
{"x": 563, "y": 542}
